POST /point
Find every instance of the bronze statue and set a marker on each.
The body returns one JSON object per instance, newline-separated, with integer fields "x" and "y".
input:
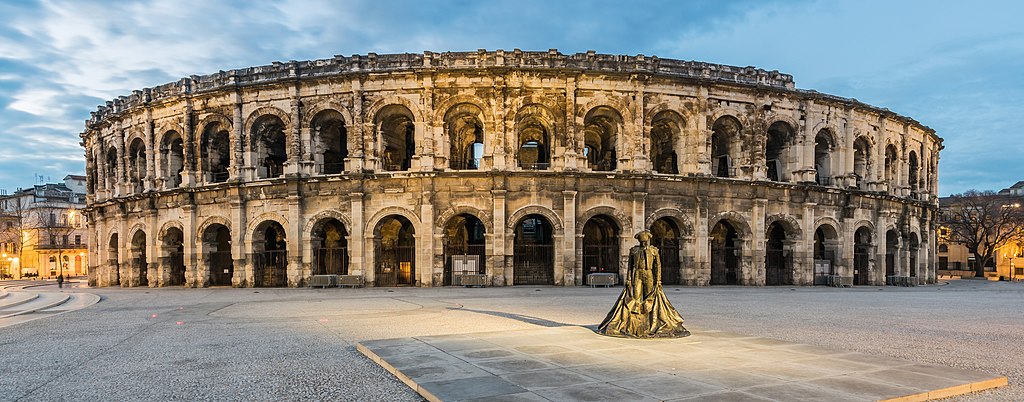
{"x": 642, "y": 310}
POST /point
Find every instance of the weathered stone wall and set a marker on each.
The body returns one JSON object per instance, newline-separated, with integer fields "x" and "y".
{"x": 628, "y": 139}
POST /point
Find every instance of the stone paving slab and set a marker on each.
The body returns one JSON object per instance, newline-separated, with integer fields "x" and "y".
{"x": 574, "y": 363}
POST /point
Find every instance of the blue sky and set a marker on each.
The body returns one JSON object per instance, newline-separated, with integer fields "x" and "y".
{"x": 955, "y": 66}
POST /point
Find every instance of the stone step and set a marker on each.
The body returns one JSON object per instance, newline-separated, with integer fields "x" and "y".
{"x": 75, "y": 301}
{"x": 17, "y": 298}
{"x": 40, "y": 302}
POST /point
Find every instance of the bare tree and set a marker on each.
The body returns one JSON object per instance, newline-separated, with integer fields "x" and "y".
{"x": 983, "y": 221}
{"x": 55, "y": 224}
{"x": 15, "y": 221}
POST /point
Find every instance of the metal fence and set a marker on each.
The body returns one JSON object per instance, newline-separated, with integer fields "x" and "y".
{"x": 600, "y": 258}
{"x": 463, "y": 249}
{"x": 176, "y": 261}
{"x": 221, "y": 268}
{"x": 330, "y": 261}
{"x": 270, "y": 269}
{"x": 670, "y": 264}
{"x": 395, "y": 266}
{"x": 533, "y": 264}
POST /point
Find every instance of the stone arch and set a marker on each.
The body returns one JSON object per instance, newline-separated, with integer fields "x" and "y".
{"x": 218, "y": 220}
{"x": 139, "y": 226}
{"x": 675, "y": 215}
{"x": 864, "y": 223}
{"x": 662, "y": 107}
{"x": 310, "y": 113}
{"x": 618, "y": 104}
{"x": 373, "y": 223}
{"x": 773, "y": 118}
{"x": 320, "y": 217}
{"x": 258, "y": 220}
{"x": 830, "y": 221}
{"x": 255, "y": 115}
{"x": 830, "y": 130}
{"x": 736, "y": 219}
{"x": 380, "y": 104}
{"x": 465, "y": 131}
{"x": 521, "y": 213}
{"x": 625, "y": 224}
{"x": 788, "y": 222}
{"x": 161, "y": 129}
{"x": 445, "y": 216}
{"x": 728, "y": 111}
{"x": 446, "y": 106}
{"x": 665, "y": 137}
{"x": 213, "y": 118}
{"x": 167, "y": 226}
{"x": 604, "y": 128}
{"x": 534, "y": 122}
{"x": 133, "y": 134}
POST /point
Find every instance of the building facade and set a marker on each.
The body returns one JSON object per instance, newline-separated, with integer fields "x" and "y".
{"x": 533, "y": 168}
{"x": 43, "y": 231}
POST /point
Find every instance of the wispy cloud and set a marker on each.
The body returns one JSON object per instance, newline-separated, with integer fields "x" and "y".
{"x": 952, "y": 65}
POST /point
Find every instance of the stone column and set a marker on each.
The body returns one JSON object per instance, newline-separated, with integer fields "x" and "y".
{"x": 297, "y": 276}
{"x": 147, "y": 182}
{"x": 357, "y": 246}
{"x": 501, "y": 273}
{"x": 758, "y": 274}
{"x": 572, "y": 274}
{"x": 425, "y": 243}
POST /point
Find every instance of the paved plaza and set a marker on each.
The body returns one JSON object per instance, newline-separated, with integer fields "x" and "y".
{"x": 300, "y": 344}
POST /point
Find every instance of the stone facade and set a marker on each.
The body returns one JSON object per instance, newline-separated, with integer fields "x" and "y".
{"x": 541, "y": 164}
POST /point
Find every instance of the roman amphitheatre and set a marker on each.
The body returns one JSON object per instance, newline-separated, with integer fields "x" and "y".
{"x": 512, "y": 167}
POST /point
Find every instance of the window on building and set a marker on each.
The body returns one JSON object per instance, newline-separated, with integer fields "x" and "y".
{"x": 65, "y": 240}
{"x": 53, "y": 239}
{"x": 78, "y": 239}
{"x": 1018, "y": 271}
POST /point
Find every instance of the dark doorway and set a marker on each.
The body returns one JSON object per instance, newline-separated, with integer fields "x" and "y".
{"x": 139, "y": 262}
{"x": 724, "y": 255}
{"x": 112, "y": 259}
{"x": 861, "y": 256}
{"x": 892, "y": 243}
{"x": 270, "y": 247}
{"x": 395, "y": 246}
{"x": 600, "y": 246}
{"x": 777, "y": 267}
{"x": 331, "y": 248}
{"x": 174, "y": 257}
{"x": 533, "y": 252}
{"x": 463, "y": 240}
{"x": 217, "y": 245}
{"x": 667, "y": 239}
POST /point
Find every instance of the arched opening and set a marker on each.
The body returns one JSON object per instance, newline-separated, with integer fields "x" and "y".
{"x": 892, "y": 245}
{"x": 464, "y": 248}
{"x": 269, "y": 146}
{"x": 270, "y": 252}
{"x": 891, "y": 166}
{"x": 331, "y": 138}
{"x": 535, "y": 130}
{"x": 601, "y": 246}
{"x": 725, "y": 254}
{"x": 913, "y": 172}
{"x": 823, "y": 146}
{"x": 913, "y": 246}
{"x": 826, "y": 245}
{"x": 861, "y": 161}
{"x": 214, "y": 150}
{"x": 667, "y": 238}
{"x": 330, "y": 255}
{"x": 173, "y": 250}
{"x": 139, "y": 262}
{"x": 778, "y": 269}
{"x": 395, "y": 245}
{"x": 398, "y": 137}
{"x": 533, "y": 252}
{"x": 600, "y": 133}
{"x": 666, "y": 129}
{"x": 861, "y": 256}
{"x": 724, "y": 133}
{"x": 137, "y": 164}
{"x": 217, "y": 254}
{"x": 776, "y": 151}
{"x": 465, "y": 131}
{"x": 111, "y": 171}
{"x": 53, "y": 266}
{"x": 112, "y": 260}
{"x": 91, "y": 168}
{"x": 172, "y": 159}
{"x": 78, "y": 266}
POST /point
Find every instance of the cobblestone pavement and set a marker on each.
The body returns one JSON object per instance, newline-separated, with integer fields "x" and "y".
{"x": 297, "y": 344}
